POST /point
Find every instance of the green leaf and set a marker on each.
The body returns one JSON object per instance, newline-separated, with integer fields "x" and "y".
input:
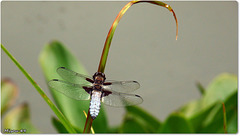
{"x": 214, "y": 121}
{"x": 9, "y": 93}
{"x": 114, "y": 129}
{"x": 198, "y": 117}
{"x": 151, "y": 124}
{"x": 232, "y": 125}
{"x": 176, "y": 123}
{"x": 202, "y": 113}
{"x": 190, "y": 108}
{"x": 19, "y": 119}
{"x": 220, "y": 89}
{"x": 58, "y": 125}
{"x": 55, "y": 55}
{"x": 132, "y": 124}
{"x": 60, "y": 128}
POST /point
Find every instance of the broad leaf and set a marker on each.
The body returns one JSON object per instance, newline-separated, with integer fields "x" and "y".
{"x": 191, "y": 108}
{"x": 58, "y": 125}
{"x": 176, "y": 123}
{"x": 198, "y": 118}
{"x": 220, "y": 89}
{"x": 151, "y": 124}
{"x": 206, "y": 113}
{"x": 214, "y": 121}
{"x": 60, "y": 128}
{"x": 232, "y": 125}
{"x": 132, "y": 124}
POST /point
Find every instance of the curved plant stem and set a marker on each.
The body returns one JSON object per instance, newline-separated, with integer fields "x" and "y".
{"x": 108, "y": 41}
{"x": 61, "y": 117}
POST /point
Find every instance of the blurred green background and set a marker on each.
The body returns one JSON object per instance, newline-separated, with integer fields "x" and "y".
{"x": 143, "y": 48}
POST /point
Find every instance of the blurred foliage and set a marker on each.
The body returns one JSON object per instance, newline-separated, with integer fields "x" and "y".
{"x": 19, "y": 119}
{"x": 204, "y": 115}
{"x": 15, "y": 119}
{"x": 9, "y": 94}
{"x": 58, "y": 125}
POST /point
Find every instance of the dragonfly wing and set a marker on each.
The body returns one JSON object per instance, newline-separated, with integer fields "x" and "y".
{"x": 121, "y": 86}
{"x": 71, "y": 90}
{"x": 73, "y": 77}
{"x": 117, "y": 99}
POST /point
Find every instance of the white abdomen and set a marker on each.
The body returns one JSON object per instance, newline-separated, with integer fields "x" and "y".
{"x": 95, "y": 103}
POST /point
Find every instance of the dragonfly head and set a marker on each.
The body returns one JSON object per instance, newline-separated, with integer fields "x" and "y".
{"x": 99, "y": 76}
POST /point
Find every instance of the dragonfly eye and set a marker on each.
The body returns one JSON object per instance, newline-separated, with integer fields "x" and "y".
{"x": 99, "y": 74}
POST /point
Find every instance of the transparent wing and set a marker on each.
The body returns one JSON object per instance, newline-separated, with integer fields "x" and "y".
{"x": 121, "y": 99}
{"x": 73, "y": 77}
{"x": 71, "y": 90}
{"x": 122, "y": 86}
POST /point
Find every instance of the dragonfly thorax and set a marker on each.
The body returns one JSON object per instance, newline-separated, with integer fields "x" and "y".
{"x": 97, "y": 87}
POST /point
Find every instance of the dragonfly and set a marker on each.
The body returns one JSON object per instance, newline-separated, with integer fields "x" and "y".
{"x": 96, "y": 88}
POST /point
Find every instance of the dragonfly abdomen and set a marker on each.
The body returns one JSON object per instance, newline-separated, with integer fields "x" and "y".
{"x": 95, "y": 103}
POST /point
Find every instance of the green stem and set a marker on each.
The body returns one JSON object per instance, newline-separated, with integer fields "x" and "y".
{"x": 224, "y": 118}
{"x": 88, "y": 123}
{"x": 108, "y": 41}
{"x": 61, "y": 117}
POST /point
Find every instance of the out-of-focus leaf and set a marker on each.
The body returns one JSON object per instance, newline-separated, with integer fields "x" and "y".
{"x": 232, "y": 125}
{"x": 214, "y": 121}
{"x": 9, "y": 93}
{"x": 220, "y": 89}
{"x": 190, "y": 108}
{"x": 115, "y": 129}
{"x": 60, "y": 128}
{"x": 176, "y": 123}
{"x": 19, "y": 119}
{"x": 58, "y": 125}
{"x": 200, "y": 88}
{"x": 151, "y": 123}
{"x": 208, "y": 109}
{"x": 198, "y": 118}
{"x": 56, "y": 55}
{"x": 132, "y": 124}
